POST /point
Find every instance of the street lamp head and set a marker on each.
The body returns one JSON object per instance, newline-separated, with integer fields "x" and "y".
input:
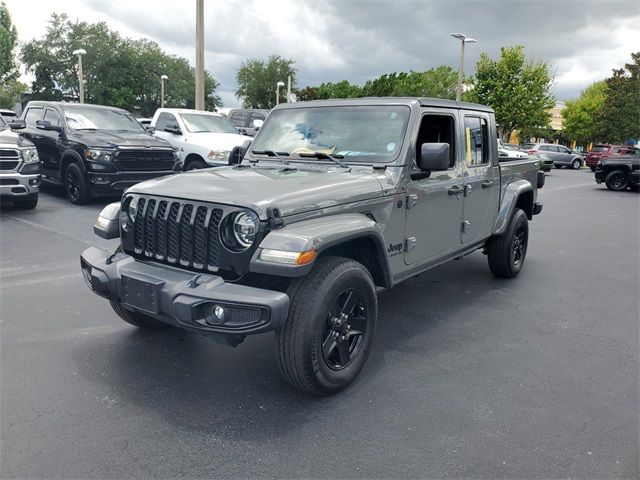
{"x": 164, "y": 77}
{"x": 463, "y": 38}
{"x": 280, "y": 84}
{"x": 80, "y": 51}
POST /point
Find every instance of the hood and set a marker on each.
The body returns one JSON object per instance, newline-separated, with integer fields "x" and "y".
{"x": 292, "y": 192}
{"x": 9, "y": 137}
{"x": 106, "y": 138}
{"x": 217, "y": 141}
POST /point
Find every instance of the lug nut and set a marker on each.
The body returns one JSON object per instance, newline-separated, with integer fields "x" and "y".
{"x": 336, "y": 334}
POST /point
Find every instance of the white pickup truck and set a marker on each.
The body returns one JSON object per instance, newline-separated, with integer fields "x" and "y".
{"x": 204, "y": 139}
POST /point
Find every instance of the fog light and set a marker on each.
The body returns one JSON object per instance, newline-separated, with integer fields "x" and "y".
{"x": 214, "y": 314}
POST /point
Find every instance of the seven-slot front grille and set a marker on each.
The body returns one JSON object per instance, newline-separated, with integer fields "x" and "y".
{"x": 9, "y": 159}
{"x": 178, "y": 233}
{"x": 144, "y": 160}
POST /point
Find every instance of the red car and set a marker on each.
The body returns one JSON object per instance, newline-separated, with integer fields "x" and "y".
{"x": 600, "y": 151}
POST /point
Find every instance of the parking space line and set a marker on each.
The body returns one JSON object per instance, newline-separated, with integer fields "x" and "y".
{"x": 42, "y": 227}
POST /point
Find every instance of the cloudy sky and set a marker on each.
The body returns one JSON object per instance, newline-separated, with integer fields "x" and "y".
{"x": 357, "y": 40}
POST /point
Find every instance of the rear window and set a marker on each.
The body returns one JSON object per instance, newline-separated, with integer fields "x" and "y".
{"x": 600, "y": 148}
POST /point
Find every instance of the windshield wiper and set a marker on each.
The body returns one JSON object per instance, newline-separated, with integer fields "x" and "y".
{"x": 326, "y": 156}
{"x": 271, "y": 153}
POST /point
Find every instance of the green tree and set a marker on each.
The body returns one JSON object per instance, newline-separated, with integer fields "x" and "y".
{"x": 382, "y": 86}
{"x": 578, "y": 115}
{"x": 439, "y": 82}
{"x": 342, "y": 89}
{"x": 10, "y": 87}
{"x": 307, "y": 93}
{"x": 516, "y": 88}
{"x": 618, "y": 120}
{"x": 257, "y": 80}
{"x": 117, "y": 71}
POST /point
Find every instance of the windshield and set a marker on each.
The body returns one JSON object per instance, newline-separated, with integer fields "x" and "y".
{"x": 199, "y": 122}
{"x": 87, "y": 118}
{"x": 357, "y": 133}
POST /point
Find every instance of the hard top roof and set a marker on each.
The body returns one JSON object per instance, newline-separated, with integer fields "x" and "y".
{"x": 423, "y": 101}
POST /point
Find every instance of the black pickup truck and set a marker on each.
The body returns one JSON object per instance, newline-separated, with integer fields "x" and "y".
{"x": 619, "y": 172}
{"x": 94, "y": 150}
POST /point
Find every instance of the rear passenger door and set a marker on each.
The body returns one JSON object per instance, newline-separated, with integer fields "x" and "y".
{"x": 481, "y": 178}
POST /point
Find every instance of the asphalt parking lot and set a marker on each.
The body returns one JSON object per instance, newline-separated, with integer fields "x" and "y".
{"x": 470, "y": 377}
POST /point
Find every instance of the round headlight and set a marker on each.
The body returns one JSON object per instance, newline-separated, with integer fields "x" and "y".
{"x": 245, "y": 228}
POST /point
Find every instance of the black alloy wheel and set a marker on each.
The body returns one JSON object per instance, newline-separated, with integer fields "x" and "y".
{"x": 72, "y": 184}
{"x": 344, "y": 330}
{"x": 519, "y": 245}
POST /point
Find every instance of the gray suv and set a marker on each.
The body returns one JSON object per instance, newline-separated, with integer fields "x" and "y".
{"x": 561, "y": 155}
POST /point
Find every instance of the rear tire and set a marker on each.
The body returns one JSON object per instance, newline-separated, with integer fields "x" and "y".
{"x": 27, "y": 204}
{"x": 506, "y": 253}
{"x": 617, "y": 181}
{"x": 75, "y": 185}
{"x": 576, "y": 164}
{"x": 327, "y": 337}
{"x": 557, "y": 166}
{"x": 137, "y": 319}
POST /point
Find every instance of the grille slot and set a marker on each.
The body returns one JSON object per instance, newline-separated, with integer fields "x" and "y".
{"x": 9, "y": 159}
{"x": 144, "y": 160}
{"x": 178, "y": 233}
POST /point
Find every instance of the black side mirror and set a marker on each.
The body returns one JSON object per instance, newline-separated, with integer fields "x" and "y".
{"x": 434, "y": 157}
{"x": 150, "y": 129}
{"x": 46, "y": 125}
{"x": 173, "y": 128}
{"x": 17, "y": 124}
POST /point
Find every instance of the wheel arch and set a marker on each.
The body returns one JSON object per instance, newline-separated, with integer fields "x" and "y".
{"x": 193, "y": 157}
{"x": 351, "y": 235}
{"x": 518, "y": 194}
{"x": 69, "y": 157}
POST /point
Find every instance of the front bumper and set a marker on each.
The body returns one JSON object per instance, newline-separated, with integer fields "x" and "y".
{"x": 17, "y": 185}
{"x": 110, "y": 183}
{"x": 182, "y": 298}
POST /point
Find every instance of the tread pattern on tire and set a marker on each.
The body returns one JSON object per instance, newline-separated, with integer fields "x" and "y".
{"x": 292, "y": 359}
{"x": 499, "y": 249}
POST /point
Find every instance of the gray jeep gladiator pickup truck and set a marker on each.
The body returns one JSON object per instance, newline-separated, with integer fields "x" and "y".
{"x": 333, "y": 201}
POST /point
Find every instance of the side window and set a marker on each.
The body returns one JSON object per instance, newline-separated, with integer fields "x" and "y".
{"x": 437, "y": 129}
{"x": 52, "y": 116}
{"x": 164, "y": 120}
{"x": 545, "y": 148}
{"x": 33, "y": 114}
{"x": 237, "y": 118}
{"x": 477, "y": 141}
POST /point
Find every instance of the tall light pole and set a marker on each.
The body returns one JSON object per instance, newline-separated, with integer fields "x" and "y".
{"x": 199, "y": 54}
{"x": 463, "y": 39}
{"x": 79, "y": 53}
{"x": 162, "y": 79}
{"x": 278, "y": 85}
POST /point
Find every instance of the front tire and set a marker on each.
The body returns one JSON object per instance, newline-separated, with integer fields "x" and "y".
{"x": 137, "y": 319}
{"x": 195, "y": 165}
{"x": 617, "y": 181}
{"x": 28, "y": 204}
{"x": 506, "y": 253}
{"x": 576, "y": 164}
{"x": 557, "y": 166}
{"x": 75, "y": 185}
{"x": 332, "y": 318}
